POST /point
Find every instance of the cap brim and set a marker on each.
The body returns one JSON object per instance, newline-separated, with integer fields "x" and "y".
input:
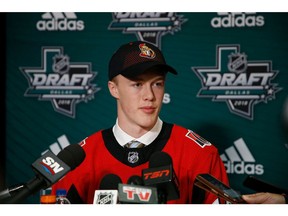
{"x": 141, "y": 68}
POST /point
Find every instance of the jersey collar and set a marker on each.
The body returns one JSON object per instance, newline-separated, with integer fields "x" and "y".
{"x": 122, "y": 137}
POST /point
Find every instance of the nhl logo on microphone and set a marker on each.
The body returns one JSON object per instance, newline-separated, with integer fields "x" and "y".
{"x": 105, "y": 197}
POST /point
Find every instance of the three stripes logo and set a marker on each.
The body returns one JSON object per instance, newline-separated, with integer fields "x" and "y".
{"x": 58, "y": 21}
{"x": 61, "y": 143}
{"x": 239, "y": 160}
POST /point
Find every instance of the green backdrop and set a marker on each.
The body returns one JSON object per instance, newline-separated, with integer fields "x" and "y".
{"x": 231, "y": 87}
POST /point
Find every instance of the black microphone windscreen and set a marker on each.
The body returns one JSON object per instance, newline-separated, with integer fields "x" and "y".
{"x": 159, "y": 159}
{"x": 110, "y": 182}
{"x": 135, "y": 180}
{"x": 73, "y": 155}
{"x": 161, "y": 174}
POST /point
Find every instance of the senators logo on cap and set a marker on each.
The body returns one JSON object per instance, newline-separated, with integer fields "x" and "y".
{"x": 146, "y": 52}
{"x": 135, "y": 58}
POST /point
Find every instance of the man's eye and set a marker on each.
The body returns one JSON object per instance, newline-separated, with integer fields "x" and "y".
{"x": 159, "y": 84}
{"x": 137, "y": 84}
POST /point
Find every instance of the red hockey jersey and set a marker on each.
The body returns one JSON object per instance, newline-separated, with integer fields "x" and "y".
{"x": 190, "y": 153}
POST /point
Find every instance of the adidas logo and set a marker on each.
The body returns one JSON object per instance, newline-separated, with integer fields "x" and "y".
{"x": 240, "y": 160}
{"x": 57, "y": 147}
{"x": 237, "y": 19}
{"x": 57, "y": 21}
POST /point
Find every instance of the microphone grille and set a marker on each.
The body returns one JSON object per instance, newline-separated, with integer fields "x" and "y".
{"x": 110, "y": 182}
{"x": 72, "y": 155}
{"x": 135, "y": 180}
{"x": 159, "y": 159}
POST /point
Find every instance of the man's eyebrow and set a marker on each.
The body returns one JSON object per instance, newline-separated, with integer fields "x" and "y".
{"x": 154, "y": 79}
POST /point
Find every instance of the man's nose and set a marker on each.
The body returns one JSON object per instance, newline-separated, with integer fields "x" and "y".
{"x": 148, "y": 93}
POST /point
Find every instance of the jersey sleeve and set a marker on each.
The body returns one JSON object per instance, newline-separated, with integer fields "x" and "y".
{"x": 74, "y": 183}
{"x": 202, "y": 157}
{"x": 219, "y": 172}
{"x": 77, "y": 181}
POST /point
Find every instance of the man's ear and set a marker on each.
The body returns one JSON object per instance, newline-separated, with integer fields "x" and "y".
{"x": 113, "y": 89}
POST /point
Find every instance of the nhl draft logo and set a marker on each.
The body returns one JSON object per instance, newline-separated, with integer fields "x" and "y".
{"x": 147, "y": 26}
{"x": 60, "y": 81}
{"x": 238, "y": 82}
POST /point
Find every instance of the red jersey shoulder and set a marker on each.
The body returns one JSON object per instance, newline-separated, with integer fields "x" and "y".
{"x": 188, "y": 135}
{"x": 91, "y": 140}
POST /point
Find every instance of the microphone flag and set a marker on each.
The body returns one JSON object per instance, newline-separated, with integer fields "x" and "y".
{"x": 137, "y": 194}
{"x": 105, "y": 197}
{"x": 50, "y": 167}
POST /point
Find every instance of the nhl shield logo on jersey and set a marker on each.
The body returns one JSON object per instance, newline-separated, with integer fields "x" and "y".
{"x": 133, "y": 157}
{"x": 198, "y": 139}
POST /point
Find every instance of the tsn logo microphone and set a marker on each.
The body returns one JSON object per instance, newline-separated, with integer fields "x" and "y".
{"x": 161, "y": 175}
{"x": 157, "y": 174}
{"x": 164, "y": 179}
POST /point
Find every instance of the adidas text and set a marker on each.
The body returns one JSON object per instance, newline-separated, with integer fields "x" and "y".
{"x": 242, "y": 168}
{"x": 60, "y": 25}
{"x": 242, "y": 20}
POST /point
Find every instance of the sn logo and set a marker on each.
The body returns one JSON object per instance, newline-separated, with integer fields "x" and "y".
{"x": 51, "y": 165}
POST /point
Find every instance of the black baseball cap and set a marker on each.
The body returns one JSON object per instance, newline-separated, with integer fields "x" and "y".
{"x": 135, "y": 58}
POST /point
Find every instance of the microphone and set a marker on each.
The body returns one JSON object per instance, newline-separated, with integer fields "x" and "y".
{"x": 135, "y": 193}
{"x": 10, "y": 192}
{"x": 49, "y": 169}
{"x": 135, "y": 180}
{"x": 107, "y": 193}
{"x": 161, "y": 175}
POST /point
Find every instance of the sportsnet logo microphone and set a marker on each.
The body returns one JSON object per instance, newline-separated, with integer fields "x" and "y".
{"x": 57, "y": 21}
{"x": 50, "y": 167}
{"x": 238, "y": 160}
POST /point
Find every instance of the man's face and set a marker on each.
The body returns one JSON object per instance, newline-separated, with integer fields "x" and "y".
{"x": 139, "y": 100}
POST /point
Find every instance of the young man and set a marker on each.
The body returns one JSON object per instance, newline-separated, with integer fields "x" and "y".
{"x": 137, "y": 75}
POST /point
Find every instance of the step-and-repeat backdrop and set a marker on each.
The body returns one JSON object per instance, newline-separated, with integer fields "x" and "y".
{"x": 231, "y": 87}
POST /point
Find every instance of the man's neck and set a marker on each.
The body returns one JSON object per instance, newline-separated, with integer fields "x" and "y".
{"x": 146, "y": 138}
{"x": 135, "y": 130}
